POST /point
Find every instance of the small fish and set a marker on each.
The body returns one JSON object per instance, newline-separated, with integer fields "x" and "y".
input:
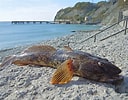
{"x": 68, "y": 63}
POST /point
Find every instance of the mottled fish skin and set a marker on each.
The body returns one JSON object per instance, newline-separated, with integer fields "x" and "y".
{"x": 89, "y": 66}
{"x": 84, "y": 64}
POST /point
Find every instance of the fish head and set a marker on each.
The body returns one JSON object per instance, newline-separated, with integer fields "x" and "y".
{"x": 98, "y": 70}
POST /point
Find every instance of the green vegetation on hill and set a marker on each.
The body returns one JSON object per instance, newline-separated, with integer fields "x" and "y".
{"x": 122, "y": 3}
{"x": 101, "y": 12}
{"x": 76, "y": 13}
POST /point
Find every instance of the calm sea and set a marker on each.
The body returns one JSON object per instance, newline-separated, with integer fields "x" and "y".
{"x": 12, "y": 35}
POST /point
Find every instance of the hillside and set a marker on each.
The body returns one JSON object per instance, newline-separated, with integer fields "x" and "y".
{"x": 76, "y": 13}
{"x": 92, "y": 13}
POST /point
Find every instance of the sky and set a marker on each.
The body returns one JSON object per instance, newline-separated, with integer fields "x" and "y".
{"x": 29, "y": 10}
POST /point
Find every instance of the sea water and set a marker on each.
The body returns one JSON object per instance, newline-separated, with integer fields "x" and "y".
{"x": 12, "y": 35}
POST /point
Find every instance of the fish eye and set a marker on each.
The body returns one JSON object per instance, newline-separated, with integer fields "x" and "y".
{"x": 99, "y": 63}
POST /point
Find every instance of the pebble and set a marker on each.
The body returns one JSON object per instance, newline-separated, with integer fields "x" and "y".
{"x": 30, "y": 83}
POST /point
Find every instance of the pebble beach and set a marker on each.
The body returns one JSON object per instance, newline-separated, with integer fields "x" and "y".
{"x": 32, "y": 83}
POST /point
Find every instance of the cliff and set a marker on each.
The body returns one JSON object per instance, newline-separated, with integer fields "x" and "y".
{"x": 76, "y": 13}
{"x": 92, "y": 13}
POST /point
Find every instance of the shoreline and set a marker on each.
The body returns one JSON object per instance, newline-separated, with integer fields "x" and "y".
{"x": 62, "y": 39}
{"x": 33, "y": 83}
{"x": 29, "y": 44}
{"x": 19, "y": 35}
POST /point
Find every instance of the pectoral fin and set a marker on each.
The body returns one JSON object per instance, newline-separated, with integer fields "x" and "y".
{"x": 63, "y": 74}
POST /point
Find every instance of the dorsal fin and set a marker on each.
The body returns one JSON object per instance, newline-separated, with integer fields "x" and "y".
{"x": 39, "y": 48}
{"x": 67, "y": 48}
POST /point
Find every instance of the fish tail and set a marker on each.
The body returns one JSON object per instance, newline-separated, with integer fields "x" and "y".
{"x": 7, "y": 61}
{"x": 63, "y": 74}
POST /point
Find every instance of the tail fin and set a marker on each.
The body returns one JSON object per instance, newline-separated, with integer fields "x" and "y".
{"x": 63, "y": 74}
{"x": 7, "y": 61}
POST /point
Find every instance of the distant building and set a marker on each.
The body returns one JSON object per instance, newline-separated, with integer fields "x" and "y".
{"x": 87, "y": 18}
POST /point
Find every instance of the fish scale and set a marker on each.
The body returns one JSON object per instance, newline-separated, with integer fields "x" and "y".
{"x": 82, "y": 64}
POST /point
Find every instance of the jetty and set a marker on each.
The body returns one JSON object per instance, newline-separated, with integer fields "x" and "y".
{"x": 30, "y": 22}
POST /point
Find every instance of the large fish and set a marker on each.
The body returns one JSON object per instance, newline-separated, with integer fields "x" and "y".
{"x": 68, "y": 63}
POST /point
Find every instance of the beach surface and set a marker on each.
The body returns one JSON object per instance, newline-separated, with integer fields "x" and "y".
{"x": 32, "y": 83}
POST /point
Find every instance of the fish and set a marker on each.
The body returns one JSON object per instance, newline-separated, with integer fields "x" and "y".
{"x": 68, "y": 63}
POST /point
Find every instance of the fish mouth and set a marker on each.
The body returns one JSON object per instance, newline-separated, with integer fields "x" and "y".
{"x": 115, "y": 80}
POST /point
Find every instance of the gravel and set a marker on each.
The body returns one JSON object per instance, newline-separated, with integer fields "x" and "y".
{"x": 31, "y": 83}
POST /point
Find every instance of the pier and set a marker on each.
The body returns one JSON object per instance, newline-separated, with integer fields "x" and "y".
{"x": 30, "y": 22}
